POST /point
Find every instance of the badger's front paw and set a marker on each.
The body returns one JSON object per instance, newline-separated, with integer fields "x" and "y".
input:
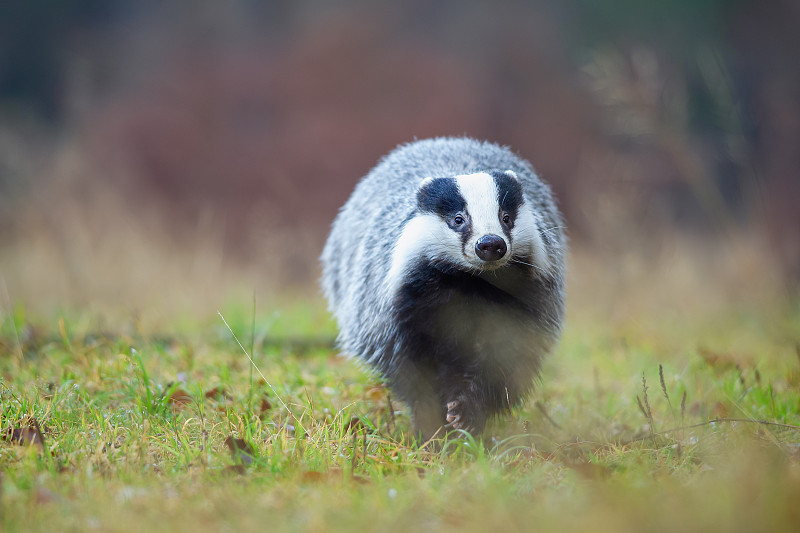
{"x": 454, "y": 415}
{"x": 461, "y": 415}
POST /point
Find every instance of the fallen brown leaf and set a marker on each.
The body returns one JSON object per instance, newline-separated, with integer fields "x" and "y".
{"x": 30, "y": 434}
{"x": 376, "y": 393}
{"x": 221, "y": 397}
{"x": 179, "y": 399}
{"x": 719, "y": 361}
{"x": 589, "y": 470}
{"x": 22, "y": 436}
{"x": 265, "y": 406}
{"x": 235, "y": 469}
{"x": 355, "y": 424}
{"x": 219, "y": 394}
{"x": 720, "y": 410}
{"x": 240, "y": 450}
{"x": 49, "y": 390}
{"x": 313, "y": 476}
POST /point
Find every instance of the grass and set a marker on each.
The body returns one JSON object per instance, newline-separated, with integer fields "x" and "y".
{"x": 684, "y": 425}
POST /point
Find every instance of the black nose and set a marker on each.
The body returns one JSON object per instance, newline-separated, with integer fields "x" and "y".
{"x": 490, "y": 247}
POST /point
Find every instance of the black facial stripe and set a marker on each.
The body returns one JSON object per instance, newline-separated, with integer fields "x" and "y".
{"x": 441, "y": 197}
{"x": 466, "y": 234}
{"x": 509, "y": 193}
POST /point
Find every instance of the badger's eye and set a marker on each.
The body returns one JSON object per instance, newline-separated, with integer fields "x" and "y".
{"x": 458, "y": 220}
{"x": 506, "y": 218}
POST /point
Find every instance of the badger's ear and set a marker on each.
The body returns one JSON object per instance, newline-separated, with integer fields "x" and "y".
{"x": 424, "y": 183}
{"x": 424, "y": 192}
{"x": 428, "y": 194}
{"x": 511, "y": 174}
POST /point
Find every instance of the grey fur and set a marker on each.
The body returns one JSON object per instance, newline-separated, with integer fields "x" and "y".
{"x": 358, "y": 256}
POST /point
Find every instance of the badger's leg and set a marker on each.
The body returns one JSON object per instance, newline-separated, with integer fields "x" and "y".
{"x": 472, "y": 397}
{"x": 465, "y": 400}
{"x": 415, "y": 384}
{"x": 427, "y": 418}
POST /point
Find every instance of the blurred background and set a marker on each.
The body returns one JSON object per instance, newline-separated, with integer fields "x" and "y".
{"x": 163, "y": 156}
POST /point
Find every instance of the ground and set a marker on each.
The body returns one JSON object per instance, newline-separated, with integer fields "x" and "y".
{"x": 658, "y": 420}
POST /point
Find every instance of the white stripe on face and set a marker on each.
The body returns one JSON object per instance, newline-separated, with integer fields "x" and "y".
{"x": 528, "y": 242}
{"x": 480, "y": 192}
{"x": 424, "y": 236}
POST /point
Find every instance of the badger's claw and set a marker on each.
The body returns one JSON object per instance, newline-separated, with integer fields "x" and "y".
{"x": 454, "y": 418}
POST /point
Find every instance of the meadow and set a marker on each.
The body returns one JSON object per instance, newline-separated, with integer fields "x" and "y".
{"x": 167, "y": 180}
{"x": 671, "y": 406}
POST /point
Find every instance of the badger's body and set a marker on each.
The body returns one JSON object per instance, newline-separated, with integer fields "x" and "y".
{"x": 445, "y": 271}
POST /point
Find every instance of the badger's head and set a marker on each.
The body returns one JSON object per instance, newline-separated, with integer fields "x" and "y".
{"x": 473, "y": 222}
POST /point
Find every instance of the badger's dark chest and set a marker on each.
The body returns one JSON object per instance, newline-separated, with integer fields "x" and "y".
{"x": 447, "y": 315}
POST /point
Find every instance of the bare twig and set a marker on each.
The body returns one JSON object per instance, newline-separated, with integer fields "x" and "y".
{"x": 643, "y": 437}
{"x": 291, "y": 414}
{"x": 715, "y": 420}
{"x": 544, "y": 412}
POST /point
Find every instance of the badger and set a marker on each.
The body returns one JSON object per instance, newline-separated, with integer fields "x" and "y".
{"x": 445, "y": 273}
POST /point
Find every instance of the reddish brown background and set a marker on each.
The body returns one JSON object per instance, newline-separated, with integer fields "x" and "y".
{"x": 248, "y": 123}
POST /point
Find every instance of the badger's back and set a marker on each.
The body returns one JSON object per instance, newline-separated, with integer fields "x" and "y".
{"x": 413, "y": 313}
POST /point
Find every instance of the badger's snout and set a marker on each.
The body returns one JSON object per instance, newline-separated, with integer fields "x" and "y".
{"x": 491, "y": 247}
